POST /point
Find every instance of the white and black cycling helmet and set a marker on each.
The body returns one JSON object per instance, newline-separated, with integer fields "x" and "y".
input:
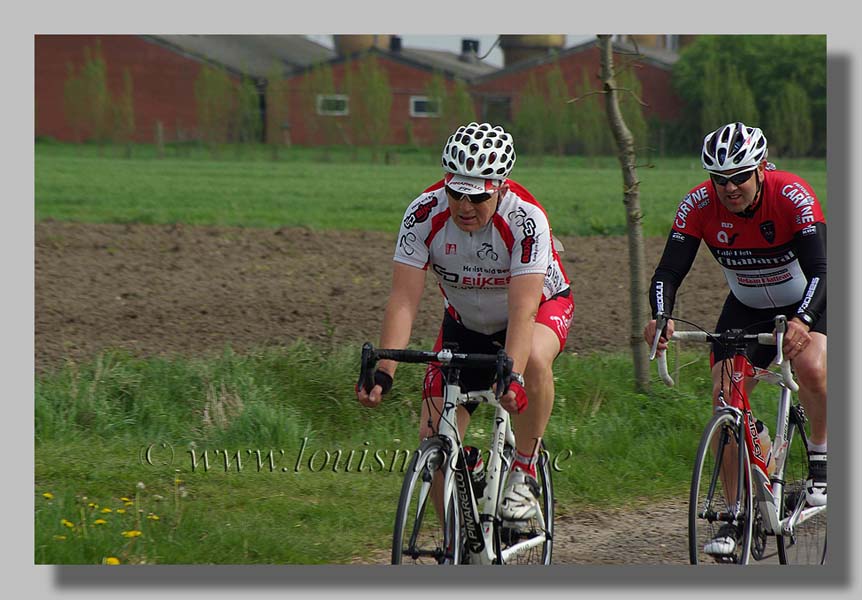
{"x": 733, "y": 146}
{"x": 482, "y": 151}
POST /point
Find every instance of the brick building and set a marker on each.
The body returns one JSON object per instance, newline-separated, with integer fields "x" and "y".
{"x": 164, "y": 70}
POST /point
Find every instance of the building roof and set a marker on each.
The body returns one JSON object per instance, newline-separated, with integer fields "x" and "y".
{"x": 661, "y": 58}
{"x": 459, "y": 65}
{"x": 253, "y": 55}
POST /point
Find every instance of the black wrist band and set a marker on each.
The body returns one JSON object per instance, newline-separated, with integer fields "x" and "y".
{"x": 383, "y": 379}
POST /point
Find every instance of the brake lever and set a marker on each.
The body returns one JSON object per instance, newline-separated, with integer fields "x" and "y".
{"x": 366, "y": 370}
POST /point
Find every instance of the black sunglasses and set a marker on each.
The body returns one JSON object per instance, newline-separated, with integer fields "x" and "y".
{"x": 473, "y": 198}
{"x": 736, "y": 180}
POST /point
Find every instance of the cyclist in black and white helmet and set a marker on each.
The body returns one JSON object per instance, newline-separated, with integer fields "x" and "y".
{"x": 489, "y": 244}
{"x": 767, "y": 231}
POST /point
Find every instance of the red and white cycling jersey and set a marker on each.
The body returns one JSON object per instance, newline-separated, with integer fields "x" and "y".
{"x": 756, "y": 252}
{"x": 474, "y": 269}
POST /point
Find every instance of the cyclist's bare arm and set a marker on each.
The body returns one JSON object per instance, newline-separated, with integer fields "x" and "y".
{"x": 408, "y": 284}
{"x": 524, "y": 294}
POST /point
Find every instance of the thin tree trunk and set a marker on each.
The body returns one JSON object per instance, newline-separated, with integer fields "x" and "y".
{"x": 631, "y": 199}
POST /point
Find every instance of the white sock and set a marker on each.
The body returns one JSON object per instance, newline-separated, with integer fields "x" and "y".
{"x": 812, "y": 447}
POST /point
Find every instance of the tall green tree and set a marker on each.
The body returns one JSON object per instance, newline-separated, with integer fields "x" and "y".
{"x": 558, "y": 122}
{"x": 371, "y": 102}
{"x": 530, "y": 120}
{"x": 791, "y": 131}
{"x": 317, "y": 85}
{"x": 727, "y": 98}
{"x": 276, "y": 109}
{"x": 765, "y": 63}
{"x": 589, "y": 124}
{"x": 123, "y": 112}
{"x": 215, "y": 98}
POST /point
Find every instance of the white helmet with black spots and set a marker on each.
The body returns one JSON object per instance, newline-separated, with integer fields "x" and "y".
{"x": 479, "y": 150}
{"x": 733, "y": 146}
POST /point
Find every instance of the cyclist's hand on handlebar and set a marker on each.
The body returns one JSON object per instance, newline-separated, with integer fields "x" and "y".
{"x": 382, "y": 384}
{"x": 649, "y": 334}
{"x": 796, "y": 338}
{"x": 515, "y": 398}
{"x": 370, "y": 400}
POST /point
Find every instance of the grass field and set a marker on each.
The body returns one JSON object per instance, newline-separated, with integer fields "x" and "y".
{"x": 120, "y": 441}
{"x": 582, "y": 196}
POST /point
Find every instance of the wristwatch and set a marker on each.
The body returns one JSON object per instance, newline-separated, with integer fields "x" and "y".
{"x": 518, "y": 377}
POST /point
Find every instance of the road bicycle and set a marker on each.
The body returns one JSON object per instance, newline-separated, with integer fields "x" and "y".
{"x": 471, "y": 530}
{"x": 763, "y": 505}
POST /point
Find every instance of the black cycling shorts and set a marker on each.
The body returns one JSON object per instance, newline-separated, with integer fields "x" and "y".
{"x": 472, "y": 380}
{"x": 736, "y": 315}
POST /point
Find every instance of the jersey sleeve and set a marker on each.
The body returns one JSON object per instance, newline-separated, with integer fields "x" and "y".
{"x": 411, "y": 247}
{"x": 531, "y": 248}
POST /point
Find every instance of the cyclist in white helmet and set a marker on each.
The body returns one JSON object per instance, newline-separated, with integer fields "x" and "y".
{"x": 489, "y": 244}
{"x": 767, "y": 231}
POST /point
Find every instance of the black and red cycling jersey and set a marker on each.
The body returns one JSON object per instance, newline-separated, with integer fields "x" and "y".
{"x": 773, "y": 255}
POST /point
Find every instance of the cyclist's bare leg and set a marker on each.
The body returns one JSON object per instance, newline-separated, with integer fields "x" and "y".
{"x": 529, "y": 426}
{"x": 810, "y": 368}
{"x": 431, "y": 413}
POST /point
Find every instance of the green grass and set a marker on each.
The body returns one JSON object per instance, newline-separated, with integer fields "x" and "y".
{"x": 583, "y": 196}
{"x": 95, "y": 423}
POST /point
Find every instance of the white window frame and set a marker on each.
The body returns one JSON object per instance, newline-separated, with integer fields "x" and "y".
{"x": 424, "y": 115}
{"x": 321, "y": 98}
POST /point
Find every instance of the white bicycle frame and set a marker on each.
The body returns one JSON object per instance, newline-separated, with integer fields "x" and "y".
{"x": 768, "y": 491}
{"x": 502, "y": 433}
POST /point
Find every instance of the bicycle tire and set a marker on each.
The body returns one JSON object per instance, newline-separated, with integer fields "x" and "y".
{"x": 706, "y": 509}
{"x": 418, "y": 537}
{"x": 506, "y": 536}
{"x": 807, "y": 544}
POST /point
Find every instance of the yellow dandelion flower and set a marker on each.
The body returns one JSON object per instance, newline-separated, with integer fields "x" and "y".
{"x": 93, "y": 505}
{"x": 99, "y": 522}
{"x": 131, "y": 533}
{"x": 48, "y": 496}
{"x": 112, "y": 560}
{"x": 129, "y": 503}
{"x": 67, "y": 523}
{"x": 59, "y": 538}
{"x": 106, "y": 510}
{"x": 121, "y": 511}
{"x": 153, "y": 517}
{"x": 124, "y": 499}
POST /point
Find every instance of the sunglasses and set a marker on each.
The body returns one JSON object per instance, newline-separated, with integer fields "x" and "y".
{"x": 473, "y": 198}
{"x": 737, "y": 179}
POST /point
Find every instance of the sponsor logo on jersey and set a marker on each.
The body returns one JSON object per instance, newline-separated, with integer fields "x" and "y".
{"x": 767, "y": 230}
{"x": 725, "y": 239}
{"x": 802, "y": 200}
{"x": 659, "y": 296}
{"x": 809, "y": 294}
{"x": 421, "y": 214}
{"x": 688, "y": 203}
{"x": 528, "y": 228}
{"x": 451, "y": 248}
{"x": 406, "y": 243}
{"x": 487, "y": 251}
{"x": 731, "y": 261}
{"x": 810, "y": 230}
{"x": 677, "y": 236}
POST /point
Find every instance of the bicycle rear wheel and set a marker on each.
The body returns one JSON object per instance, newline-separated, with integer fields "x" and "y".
{"x": 709, "y": 505}
{"x": 807, "y": 544}
{"x": 540, "y": 530}
{"x": 420, "y": 538}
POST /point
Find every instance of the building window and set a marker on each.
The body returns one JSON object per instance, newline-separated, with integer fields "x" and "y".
{"x": 423, "y": 106}
{"x": 333, "y": 105}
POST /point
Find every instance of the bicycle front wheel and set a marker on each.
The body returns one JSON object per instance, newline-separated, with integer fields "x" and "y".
{"x": 806, "y": 545}
{"x": 421, "y": 537}
{"x": 713, "y": 497}
{"x": 530, "y": 542}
